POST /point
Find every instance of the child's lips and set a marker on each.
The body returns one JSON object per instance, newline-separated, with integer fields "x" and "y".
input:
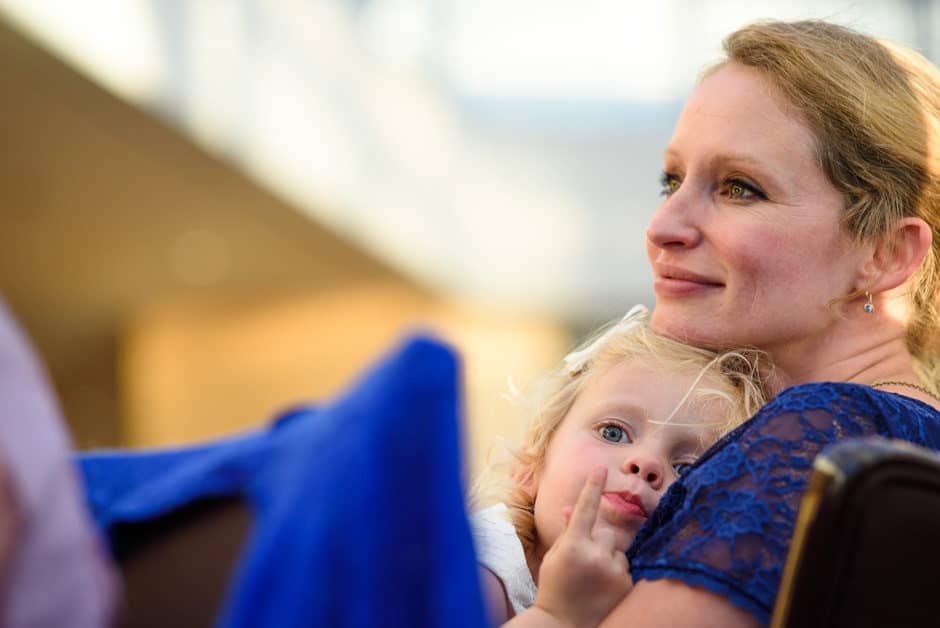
{"x": 626, "y": 504}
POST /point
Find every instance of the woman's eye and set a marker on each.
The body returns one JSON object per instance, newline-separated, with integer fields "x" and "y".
{"x": 744, "y": 191}
{"x": 668, "y": 184}
{"x": 614, "y": 434}
{"x": 681, "y": 468}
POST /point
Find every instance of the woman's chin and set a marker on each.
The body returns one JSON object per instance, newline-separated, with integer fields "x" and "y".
{"x": 690, "y": 328}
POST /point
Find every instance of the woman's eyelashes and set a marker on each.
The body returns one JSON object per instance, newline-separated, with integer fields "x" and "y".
{"x": 740, "y": 189}
{"x": 669, "y": 183}
{"x": 735, "y": 188}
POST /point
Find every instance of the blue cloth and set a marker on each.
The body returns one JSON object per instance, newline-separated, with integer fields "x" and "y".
{"x": 726, "y": 525}
{"x": 358, "y": 507}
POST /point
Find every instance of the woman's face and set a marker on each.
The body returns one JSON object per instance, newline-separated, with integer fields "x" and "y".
{"x": 747, "y": 247}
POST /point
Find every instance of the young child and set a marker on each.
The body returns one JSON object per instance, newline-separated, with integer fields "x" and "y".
{"x": 616, "y": 425}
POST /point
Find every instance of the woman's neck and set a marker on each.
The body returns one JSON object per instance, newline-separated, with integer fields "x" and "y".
{"x": 849, "y": 352}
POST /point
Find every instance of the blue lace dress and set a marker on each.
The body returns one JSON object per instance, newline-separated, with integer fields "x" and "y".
{"x": 726, "y": 525}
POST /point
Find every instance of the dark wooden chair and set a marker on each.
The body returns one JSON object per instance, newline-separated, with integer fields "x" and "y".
{"x": 866, "y": 549}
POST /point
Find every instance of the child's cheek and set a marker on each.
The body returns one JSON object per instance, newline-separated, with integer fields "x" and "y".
{"x": 590, "y": 452}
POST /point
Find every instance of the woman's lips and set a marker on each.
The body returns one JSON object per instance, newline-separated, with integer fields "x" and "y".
{"x": 671, "y": 287}
{"x": 626, "y": 505}
{"x": 677, "y": 282}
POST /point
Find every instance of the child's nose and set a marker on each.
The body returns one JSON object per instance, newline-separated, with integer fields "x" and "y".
{"x": 649, "y": 468}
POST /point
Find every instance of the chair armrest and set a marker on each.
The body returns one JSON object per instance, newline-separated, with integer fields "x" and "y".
{"x": 867, "y": 540}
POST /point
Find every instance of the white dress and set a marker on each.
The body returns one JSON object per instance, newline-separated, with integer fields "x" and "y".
{"x": 500, "y": 550}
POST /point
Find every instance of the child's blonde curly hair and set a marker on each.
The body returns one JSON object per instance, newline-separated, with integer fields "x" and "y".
{"x": 729, "y": 377}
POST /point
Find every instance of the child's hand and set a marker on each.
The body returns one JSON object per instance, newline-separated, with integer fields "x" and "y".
{"x": 582, "y": 576}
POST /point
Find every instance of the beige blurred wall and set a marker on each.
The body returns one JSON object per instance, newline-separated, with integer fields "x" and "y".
{"x": 174, "y": 299}
{"x": 193, "y": 371}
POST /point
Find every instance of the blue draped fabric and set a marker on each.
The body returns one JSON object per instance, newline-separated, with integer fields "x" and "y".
{"x": 726, "y": 525}
{"x": 358, "y": 506}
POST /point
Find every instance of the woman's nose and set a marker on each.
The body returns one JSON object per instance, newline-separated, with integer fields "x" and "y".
{"x": 649, "y": 468}
{"x": 673, "y": 224}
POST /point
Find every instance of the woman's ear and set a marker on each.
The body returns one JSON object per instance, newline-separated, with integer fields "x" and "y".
{"x": 895, "y": 258}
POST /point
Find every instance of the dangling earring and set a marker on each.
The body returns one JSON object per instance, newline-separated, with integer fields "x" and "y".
{"x": 869, "y": 307}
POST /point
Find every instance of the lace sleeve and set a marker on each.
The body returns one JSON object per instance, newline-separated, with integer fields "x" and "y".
{"x": 726, "y": 525}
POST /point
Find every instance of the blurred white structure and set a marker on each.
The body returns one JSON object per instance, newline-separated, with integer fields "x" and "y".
{"x": 507, "y": 150}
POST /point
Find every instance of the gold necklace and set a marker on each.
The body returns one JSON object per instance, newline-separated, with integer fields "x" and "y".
{"x": 891, "y": 382}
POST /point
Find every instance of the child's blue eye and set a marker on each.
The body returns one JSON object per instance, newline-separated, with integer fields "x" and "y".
{"x": 614, "y": 434}
{"x": 681, "y": 468}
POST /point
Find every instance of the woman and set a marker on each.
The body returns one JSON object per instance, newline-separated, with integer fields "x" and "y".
{"x": 802, "y": 199}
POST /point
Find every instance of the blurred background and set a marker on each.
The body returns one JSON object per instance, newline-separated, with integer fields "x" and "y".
{"x": 213, "y": 210}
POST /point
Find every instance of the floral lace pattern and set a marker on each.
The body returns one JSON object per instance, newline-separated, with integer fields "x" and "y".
{"x": 726, "y": 525}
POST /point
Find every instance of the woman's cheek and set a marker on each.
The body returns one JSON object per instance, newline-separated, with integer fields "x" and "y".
{"x": 759, "y": 258}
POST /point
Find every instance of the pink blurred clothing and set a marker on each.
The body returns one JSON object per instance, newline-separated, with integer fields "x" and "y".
{"x": 60, "y": 573}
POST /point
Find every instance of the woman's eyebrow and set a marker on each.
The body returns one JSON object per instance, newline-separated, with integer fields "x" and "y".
{"x": 722, "y": 158}
{"x": 759, "y": 167}
{"x": 738, "y": 158}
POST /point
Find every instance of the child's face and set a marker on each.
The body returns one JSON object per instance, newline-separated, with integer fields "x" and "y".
{"x": 609, "y": 424}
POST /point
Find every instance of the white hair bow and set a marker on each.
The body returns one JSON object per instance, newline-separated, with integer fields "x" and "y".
{"x": 577, "y": 360}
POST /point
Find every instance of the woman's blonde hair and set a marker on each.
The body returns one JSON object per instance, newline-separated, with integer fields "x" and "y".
{"x": 873, "y": 108}
{"x": 731, "y": 378}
